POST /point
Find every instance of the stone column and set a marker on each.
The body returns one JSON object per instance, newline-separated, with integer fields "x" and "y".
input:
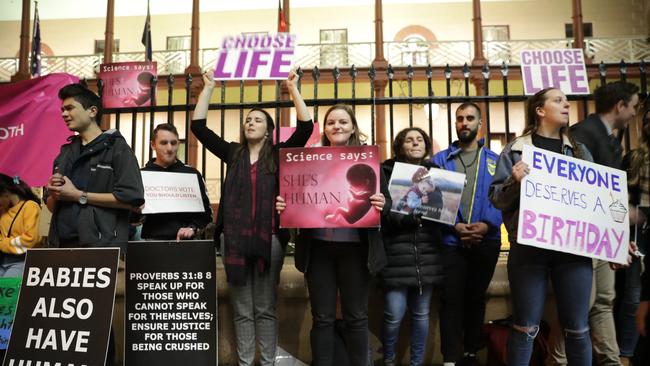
{"x": 23, "y": 56}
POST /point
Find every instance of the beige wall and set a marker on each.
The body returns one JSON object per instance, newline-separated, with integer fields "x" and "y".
{"x": 528, "y": 19}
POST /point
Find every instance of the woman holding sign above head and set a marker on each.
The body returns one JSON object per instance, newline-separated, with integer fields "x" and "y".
{"x": 529, "y": 268}
{"x": 341, "y": 260}
{"x": 413, "y": 249}
{"x": 253, "y": 244}
{"x": 19, "y": 213}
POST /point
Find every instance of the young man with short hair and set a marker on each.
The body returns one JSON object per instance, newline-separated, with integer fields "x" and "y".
{"x": 470, "y": 247}
{"x": 173, "y": 225}
{"x": 95, "y": 182}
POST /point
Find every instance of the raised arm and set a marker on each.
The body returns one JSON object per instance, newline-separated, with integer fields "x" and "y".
{"x": 305, "y": 125}
{"x": 201, "y": 109}
{"x": 213, "y": 142}
{"x": 299, "y": 103}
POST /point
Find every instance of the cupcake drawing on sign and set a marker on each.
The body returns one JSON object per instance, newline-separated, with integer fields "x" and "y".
{"x": 618, "y": 211}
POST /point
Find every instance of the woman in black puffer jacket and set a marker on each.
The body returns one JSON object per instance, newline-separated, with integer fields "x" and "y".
{"x": 414, "y": 257}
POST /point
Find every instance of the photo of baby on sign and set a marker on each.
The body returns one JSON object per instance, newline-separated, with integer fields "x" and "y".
{"x": 433, "y": 194}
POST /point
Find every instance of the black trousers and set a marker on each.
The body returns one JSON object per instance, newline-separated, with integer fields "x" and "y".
{"x": 338, "y": 268}
{"x": 468, "y": 272}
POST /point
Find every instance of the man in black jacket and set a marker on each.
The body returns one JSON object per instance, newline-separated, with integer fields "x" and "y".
{"x": 95, "y": 182}
{"x": 615, "y": 106}
{"x": 174, "y": 225}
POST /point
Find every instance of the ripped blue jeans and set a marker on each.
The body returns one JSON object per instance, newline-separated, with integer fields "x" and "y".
{"x": 529, "y": 270}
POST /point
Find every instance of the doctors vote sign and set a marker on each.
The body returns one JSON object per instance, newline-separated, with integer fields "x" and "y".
{"x": 573, "y": 206}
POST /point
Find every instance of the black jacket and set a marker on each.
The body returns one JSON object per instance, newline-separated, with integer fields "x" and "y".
{"x": 165, "y": 226}
{"x": 113, "y": 169}
{"x": 593, "y": 134}
{"x": 413, "y": 247}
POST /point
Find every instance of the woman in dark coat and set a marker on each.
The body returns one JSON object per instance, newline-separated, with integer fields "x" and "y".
{"x": 414, "y": 257}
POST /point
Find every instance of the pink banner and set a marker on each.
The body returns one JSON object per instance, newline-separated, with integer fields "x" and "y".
{"x": 31, "y": 128}
{"x": 127, "y": 84}
{"x": 329, "y": 186}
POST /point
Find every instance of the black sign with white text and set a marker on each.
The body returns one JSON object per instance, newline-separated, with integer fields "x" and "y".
{"x": 65, "y": 308}
{"x": 171, "y": 304}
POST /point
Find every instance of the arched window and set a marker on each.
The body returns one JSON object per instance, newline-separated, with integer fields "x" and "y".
{"x": 415, "y": 43}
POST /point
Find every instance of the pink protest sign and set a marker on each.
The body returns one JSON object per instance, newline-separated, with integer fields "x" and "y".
{"x": 31, "y": 128}
{"x": 563, "y": 69}
{"x": 314, "y": 138}
{"x": 327, "y": 187}
{"x": 255, "y": 57}
{"x": 127, "y": 84}
{"x": 573, "y": 206}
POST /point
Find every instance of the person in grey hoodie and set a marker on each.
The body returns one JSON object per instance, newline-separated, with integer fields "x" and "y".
{"x": 529, "y": 268}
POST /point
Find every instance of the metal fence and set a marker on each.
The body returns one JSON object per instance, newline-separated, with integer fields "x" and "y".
{"x": 398, "y": 54}
{"x": 353, "y": 79}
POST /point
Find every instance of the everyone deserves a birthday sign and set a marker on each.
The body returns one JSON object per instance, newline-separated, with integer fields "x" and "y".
{"x": 573, "y": 206}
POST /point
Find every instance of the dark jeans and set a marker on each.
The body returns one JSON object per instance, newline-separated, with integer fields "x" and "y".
{"x": 338, "y": 267}
{"x": 468, "y": 272}
{"x": 529, "y": 270}
{"x": 396, "y": 301}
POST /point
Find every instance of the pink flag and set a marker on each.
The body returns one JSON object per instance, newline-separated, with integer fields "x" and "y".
{"x": 31, "y": 128}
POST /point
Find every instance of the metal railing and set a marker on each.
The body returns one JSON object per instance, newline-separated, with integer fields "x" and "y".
{"x": 439, "y": 53}
{"x": 135, "y": 122}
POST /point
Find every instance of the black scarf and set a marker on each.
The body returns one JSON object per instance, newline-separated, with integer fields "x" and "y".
{"x": 247, "y": 239}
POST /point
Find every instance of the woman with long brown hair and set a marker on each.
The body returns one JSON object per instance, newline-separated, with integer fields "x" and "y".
{"x": 253, "y": 244}
{"x": 529, "y": 268}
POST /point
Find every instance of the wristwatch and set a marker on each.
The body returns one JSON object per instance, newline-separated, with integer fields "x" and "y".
{"x": 83, "y": 199}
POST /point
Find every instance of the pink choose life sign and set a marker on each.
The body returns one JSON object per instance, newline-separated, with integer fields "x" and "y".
{"x": 328, "y": 187}
{"x": 561, "y": 68}
{"x": 255, "y": 57}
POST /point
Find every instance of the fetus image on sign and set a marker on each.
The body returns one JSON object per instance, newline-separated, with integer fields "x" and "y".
{"x": 362, "y": 182}
{"x": 143, "y": 94}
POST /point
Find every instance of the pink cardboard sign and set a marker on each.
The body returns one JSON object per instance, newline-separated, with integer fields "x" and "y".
{"x": 127, "y": 84}
{"x": 329, "y": 187}
{"x": 314, "y": 139}
{"x": 562, "y": 68}
{"x": 255, "y": 57}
